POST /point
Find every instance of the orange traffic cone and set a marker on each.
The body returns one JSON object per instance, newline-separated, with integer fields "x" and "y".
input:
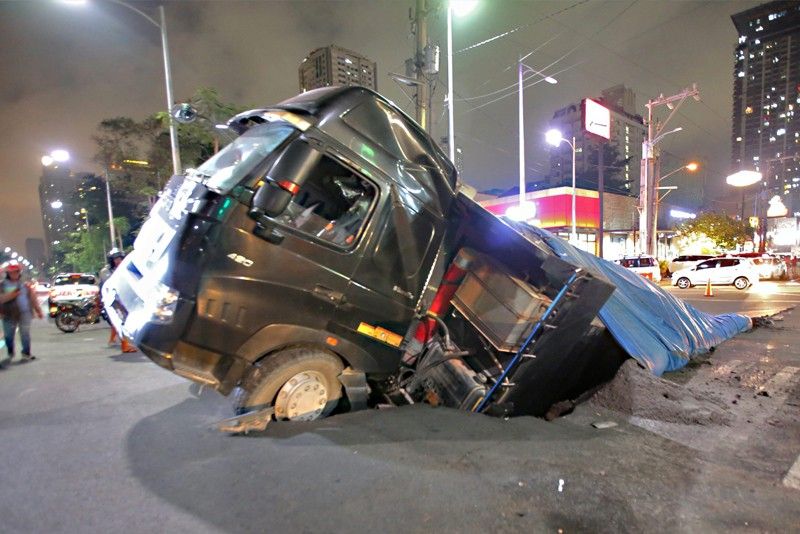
{"x": 126, "y": 346}
{"x": 709, "y": 292}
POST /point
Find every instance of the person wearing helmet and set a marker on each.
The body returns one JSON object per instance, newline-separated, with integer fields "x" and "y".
{"x": 114, "y": 258}
{"x": 19, "y": 304}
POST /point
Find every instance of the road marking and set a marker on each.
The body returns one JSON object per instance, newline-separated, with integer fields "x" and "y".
{"x": 792, "y": 478}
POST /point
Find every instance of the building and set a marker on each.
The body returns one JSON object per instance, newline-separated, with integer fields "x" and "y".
{"x": 66, "y": 201}
{"x": 620, "y": 218}
{"x": 627, "y": 134}
{"x": 334, "y": 65}
{"x": 766, "y": 99}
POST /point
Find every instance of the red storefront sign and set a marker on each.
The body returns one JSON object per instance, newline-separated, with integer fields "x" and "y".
{"x": 554, "y": 207}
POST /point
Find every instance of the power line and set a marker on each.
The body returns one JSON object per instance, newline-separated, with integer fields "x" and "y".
{"x": 518, "y": 28}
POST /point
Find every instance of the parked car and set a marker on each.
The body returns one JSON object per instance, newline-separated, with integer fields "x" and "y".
{"x": 644, "y": 265}
{"x": 771, "y": 268}
{"x": 71, "y": 286}
{"x": 686, "y": 261}
{"x": 741, "y": 272}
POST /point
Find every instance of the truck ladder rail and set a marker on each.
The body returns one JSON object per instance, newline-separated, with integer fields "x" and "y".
{"x": 540, "y": 325}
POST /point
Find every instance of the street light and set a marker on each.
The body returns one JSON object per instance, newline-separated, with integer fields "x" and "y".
{"x": 56, "y": 204}
{"x": 691, "y": 167}
{"x": 162, "y": 26}
{"x": 460, "y": 8}
{"x": 554, "y": 137}
{"x": 522, "y": 68}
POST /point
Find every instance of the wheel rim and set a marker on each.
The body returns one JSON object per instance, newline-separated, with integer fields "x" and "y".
{"x": 740, "y": 283}
{"x": 303, "y": 397}
{"x": 683, "y": 283}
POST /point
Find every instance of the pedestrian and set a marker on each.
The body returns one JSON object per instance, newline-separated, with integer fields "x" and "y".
{"x": 19, "y": 304}
{"x": 113, "y": 259}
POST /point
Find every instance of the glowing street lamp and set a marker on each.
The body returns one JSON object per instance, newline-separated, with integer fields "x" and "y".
{"x": 744, "y": 178}
{"x": 554, "y": 138}
{"x": 56, "y": 204}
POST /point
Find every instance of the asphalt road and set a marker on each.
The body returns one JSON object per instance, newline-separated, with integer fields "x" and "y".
{"x": 765, "y": 298}
{"x": 98, "y": 441}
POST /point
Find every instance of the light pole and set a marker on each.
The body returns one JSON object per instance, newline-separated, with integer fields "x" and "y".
{"x": 522, "y": 68}
{"x": 555, "y": 138}
{"x": 746, "y": 178}
{"x": 162, "y": 26}
{"x": 460, "y": 7}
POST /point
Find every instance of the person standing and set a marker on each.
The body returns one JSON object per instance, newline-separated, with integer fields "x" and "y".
{"x": 19, "y": 304}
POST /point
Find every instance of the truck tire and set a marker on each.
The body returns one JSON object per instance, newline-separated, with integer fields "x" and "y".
{"x": 301, "y": 383}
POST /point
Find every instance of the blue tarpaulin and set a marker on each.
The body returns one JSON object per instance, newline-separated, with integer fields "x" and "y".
{"x": 660, "y": 331}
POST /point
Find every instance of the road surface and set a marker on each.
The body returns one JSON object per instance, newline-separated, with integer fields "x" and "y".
{"x": 98, "y": 441}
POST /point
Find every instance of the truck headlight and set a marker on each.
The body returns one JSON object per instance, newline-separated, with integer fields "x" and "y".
{"x": 166, "y": 301}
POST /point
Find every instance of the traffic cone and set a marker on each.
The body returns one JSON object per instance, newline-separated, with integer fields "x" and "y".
{"x": 709, "y": 292}
{"x": 126, "y": 346}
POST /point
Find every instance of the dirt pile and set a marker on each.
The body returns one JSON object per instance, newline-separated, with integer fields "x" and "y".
{"x": 636, "y": 391}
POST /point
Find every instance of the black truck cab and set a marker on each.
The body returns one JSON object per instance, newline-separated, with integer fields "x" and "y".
{"x": 306, "y": 253}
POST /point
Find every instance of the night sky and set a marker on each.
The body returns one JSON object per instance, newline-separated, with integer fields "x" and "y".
{"x": 65, "y": 68}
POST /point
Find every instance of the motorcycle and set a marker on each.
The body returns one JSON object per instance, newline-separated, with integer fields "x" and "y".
{"x": 70, "y": 314}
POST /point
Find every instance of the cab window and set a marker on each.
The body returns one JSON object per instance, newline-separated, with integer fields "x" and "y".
{"x": 332, "y": 204}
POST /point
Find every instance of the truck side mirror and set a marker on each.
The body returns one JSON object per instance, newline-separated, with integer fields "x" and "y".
{"x": 285, "y": 179}
{"x": 271, "y": 200}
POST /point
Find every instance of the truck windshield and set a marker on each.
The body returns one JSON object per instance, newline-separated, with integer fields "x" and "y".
{"x": 234, "y": 162}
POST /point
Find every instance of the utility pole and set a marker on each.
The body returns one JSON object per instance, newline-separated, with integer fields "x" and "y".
{"x": 601, "y": 193}
{"x": 648, "y": 191}
{"x": 423, "y": 86}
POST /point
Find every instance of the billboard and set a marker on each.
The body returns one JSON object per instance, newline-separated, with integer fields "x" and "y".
{"x": 596, "y": 118}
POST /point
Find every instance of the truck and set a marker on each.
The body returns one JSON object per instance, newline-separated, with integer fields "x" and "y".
{"x": 329, "y": 259}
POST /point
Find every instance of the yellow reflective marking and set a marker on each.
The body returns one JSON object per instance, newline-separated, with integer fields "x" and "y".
{"x": 381, "y": 334}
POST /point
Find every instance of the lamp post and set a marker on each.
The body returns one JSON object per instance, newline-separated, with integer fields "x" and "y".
{"x": 522, "y": 68}
{"x": 460, "y": 8}
{"x": 746, "y": 178}
{"x": 555, "y": 138}
{"x": 162, "y": 26}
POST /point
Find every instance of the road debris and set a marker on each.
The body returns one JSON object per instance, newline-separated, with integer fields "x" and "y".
{"x": 636, "y": 391}
{"x": 600, "y": 425}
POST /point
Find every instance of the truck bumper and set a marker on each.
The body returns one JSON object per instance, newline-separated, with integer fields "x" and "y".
{"x": 135, "y": 311}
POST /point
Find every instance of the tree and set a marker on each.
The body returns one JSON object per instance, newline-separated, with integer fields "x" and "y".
{"x": 85, "y": 251}
{"x": 713, "y": 232}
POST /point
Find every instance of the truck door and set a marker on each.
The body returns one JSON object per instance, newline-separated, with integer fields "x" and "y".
{"x": 384, "y": 290}
{"x": 299, "y": 273}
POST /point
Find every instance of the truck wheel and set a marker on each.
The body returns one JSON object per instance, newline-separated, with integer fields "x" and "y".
{"x": 741, "y": 283}
{"x": 300, "y": 382}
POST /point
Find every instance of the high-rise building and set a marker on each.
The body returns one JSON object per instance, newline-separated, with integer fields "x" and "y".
{"x": 66, "y": 200}
{"x": 766, "y": 97}
{"x": 334, "y": 65}
{"x": 627, "y": 134}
